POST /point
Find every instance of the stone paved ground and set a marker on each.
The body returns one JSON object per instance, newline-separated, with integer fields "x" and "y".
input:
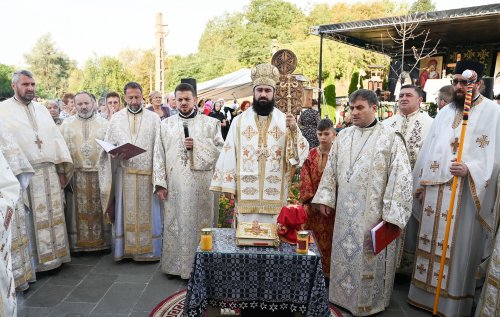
{"x": 93, "y": 285}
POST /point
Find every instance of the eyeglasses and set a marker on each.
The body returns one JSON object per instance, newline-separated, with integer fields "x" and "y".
{"x": 463, "y": 82}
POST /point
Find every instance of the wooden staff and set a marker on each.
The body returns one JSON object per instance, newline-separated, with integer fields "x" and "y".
{"x": 471, "y": 79}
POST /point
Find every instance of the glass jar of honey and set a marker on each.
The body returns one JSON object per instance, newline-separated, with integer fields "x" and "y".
{"x": 206, "y": 241}
{"x": 302, "y": 242}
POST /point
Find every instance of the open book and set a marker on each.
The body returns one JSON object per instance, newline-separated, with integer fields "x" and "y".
{"x": 128, "y": 149}
{"x": 383, "y": 234}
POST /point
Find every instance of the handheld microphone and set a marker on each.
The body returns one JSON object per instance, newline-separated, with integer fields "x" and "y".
{"x": 186, "y": 130}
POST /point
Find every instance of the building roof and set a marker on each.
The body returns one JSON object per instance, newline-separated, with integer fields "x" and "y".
{"x": 456, "y": 29}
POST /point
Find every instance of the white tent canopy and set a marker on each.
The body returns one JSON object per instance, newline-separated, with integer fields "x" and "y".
{"x": 236, "y": 84}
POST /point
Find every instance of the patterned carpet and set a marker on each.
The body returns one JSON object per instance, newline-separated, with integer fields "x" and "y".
{"x": 173, "y": 306}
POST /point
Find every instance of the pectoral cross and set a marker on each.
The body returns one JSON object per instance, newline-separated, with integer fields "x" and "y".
{"x": 455, "y": 145}
{"x": 39, "y": 143}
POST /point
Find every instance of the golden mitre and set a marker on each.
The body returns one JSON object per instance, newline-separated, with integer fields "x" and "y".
{"x": 265, "y": 74}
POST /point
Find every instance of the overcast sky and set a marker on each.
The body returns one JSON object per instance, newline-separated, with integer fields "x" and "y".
{"x": 104, "y": 27}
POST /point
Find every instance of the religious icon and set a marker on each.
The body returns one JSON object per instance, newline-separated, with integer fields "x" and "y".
{"x": 430, "y": 68}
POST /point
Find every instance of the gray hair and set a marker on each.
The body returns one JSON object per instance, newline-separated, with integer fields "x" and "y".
{"x": 17, "y": 75}
{"x": 446, "y": 93}
{"x": 53, "y": 102}
{"x": 364, "y": 94}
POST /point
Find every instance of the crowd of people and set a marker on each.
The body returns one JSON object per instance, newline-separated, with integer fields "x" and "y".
{"x": 61, "y": 192}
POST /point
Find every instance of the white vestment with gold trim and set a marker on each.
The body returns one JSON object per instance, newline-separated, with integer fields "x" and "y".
{"x": 127, "y": 187}
{"x": 9, "y": 195}
{"x": 22, "y": 266}
{"x": 472, "y": 225}
{"x": 255, "y": 165}
{"x": 489, "y": 305}
{"x": 87, "y": 228}
{"x": 42, "y": 143}
{"x": 367, "y": 179}
{"x": 186, "y": 175}
{"x": 414, "y": 129}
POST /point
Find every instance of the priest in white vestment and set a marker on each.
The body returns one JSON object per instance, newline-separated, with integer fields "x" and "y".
{"x": 414, "y": 125}
{"x": 126, "y": 185}
{"x": 22, "y": 266}
{"x": 184, "y": 163}
{"x": 42, "y": 143}
{"x": 367, "y": 179}
{"x": 261, "y": 151}
{"x": 87, "y": 227}
{"x": 472, "y": 226}
{"x": 9, "y": 195}
{"x": 489, "y": 305}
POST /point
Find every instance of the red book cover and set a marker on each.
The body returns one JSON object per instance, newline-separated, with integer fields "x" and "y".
{"x": 383, "y": 234}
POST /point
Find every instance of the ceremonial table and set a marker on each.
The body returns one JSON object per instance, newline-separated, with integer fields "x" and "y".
{"x": 267, "y": 278}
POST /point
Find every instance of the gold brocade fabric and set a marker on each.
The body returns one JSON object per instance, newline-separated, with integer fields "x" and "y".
{"x": 46, "y": 203}
{"x": 87, "y": 228}
{"x": 186, "y": 175}
{"x": 134, "y": 235}
{"x": 9, "y": 194}
{"x": 376, "y": 187}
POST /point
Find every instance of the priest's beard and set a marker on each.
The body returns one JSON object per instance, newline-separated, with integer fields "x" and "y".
{"x": 85, "y": 115}
{"x": 263, "y": 107}
{"x": 459, "y": 100}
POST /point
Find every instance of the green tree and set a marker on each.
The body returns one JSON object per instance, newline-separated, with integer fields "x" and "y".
{"x": 50, "y": 66}
{"x": 422, "y": 6}
{"x": 140, "y": 64}
{"x": 329, "y": 95}
{"x": 5, "y": 81}
{"x": 101, "y": 74}
{"x": 355, "y": 81}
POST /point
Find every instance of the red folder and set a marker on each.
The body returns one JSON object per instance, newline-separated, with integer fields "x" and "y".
{"x": 128, "y": 149}
{"x": 383, "y": 234}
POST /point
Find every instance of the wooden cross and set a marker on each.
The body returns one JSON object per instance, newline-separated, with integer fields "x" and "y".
{"x": 455, "y": 145}
{"x": 290, "y": 83}
{"x": 421, "y": 268}
{"x": 483, "y": 141}
{"x": 39, "y": 143}
{"x": 434, "y": 166}
{"x": 425, "y": 239}
{"x": 428, "y": 210}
